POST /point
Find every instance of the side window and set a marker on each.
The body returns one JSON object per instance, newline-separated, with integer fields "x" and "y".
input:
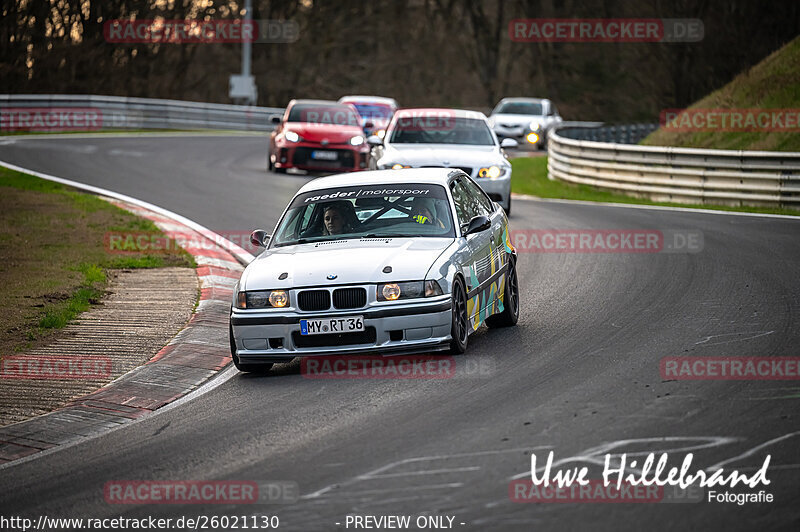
{"x": 467, "y": 205}
{"x": 480, "y": 195}
{"x": 461, "y": 201}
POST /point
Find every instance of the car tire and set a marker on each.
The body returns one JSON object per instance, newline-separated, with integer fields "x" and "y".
{"x": 510, "y": 313}
{"x": 279, "y": 170}
{"x": 270, "y": 164}
{"x": 459, "y": 324}
{"x": 248, "y": 368}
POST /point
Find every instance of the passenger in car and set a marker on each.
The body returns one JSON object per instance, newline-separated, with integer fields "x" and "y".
{"x": 338, "y": 218}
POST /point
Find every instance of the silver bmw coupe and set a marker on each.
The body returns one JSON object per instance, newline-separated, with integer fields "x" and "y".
{"x": 382, "y": 262}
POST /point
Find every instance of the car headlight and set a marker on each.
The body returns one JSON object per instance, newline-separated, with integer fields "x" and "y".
{"x": 358, "y": 140}
{"x": 381, "y": 133}
{"x": 263, "y": 299}
{"x": 291, "y": 136}
{"x": 492, "y": 172}
{"x": 534, "y": 126}
{"x": 533, "y": 138}
{"x": 408, "y": 290}
{"x": 398, "y": 166}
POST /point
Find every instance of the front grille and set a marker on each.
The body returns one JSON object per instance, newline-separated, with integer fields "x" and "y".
{"x": 344, "y": 158}
{"x": 314, "y": 300}
{"x": 367, "y": 336}
{"x": 349, "y": 298}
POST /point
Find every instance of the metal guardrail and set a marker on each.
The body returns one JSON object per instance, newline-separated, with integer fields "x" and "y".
{"x": 678, "y": 175}
{"x": 599, "y": 132}
{"x": 60, "y": 112}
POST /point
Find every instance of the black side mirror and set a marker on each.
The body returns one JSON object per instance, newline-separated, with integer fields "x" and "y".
{"x": 259, "y": 238}
{"x": 275, "y": 119}
{"x": 478, "y": 224}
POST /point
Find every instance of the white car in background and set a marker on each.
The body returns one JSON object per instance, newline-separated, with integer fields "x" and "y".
{"x": 446, "y": 138}
{"x": 526, "y": 120}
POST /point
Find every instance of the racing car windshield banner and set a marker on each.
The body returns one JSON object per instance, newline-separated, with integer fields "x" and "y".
{"x": 371, "y": 191}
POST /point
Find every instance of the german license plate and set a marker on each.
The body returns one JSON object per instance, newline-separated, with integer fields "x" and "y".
{"x": 344, "y": 324}
{"x": 324, "y": 155}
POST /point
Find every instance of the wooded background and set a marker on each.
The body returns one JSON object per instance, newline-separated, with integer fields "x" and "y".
{"x": 423, "y": 52}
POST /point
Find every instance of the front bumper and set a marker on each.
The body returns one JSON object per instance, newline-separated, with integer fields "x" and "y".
{"x": 520, "y": 134}
{"x": 395, "y": 328}
{"x": 300, "y": 155}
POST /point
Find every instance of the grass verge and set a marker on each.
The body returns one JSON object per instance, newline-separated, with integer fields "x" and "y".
{"x": 54, "y": 259}
{"x": 529, "y": 176}
{"x": 774, "y": 83}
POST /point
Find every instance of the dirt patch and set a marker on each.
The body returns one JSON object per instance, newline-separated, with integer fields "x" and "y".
{"x": 53, "y": 259}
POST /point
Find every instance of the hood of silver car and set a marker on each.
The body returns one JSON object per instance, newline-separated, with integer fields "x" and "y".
{"x": 347, "y": 261}
{"x": 516, "y": 120}
{"x": 443, "y": 155}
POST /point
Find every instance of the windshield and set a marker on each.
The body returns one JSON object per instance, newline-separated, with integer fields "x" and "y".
{"x": 445, "y": 130}
{"x": 374, "y": 211}
{"x": 320, "y": 113}
{"x": 520, "y": 108}
{"x": 371, "y": 111}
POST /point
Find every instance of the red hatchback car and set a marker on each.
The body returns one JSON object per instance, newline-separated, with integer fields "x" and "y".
{"x": 318, "y": 135}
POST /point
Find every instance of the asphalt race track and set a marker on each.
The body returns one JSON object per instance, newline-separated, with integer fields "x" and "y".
{"x": 578, "y": 375}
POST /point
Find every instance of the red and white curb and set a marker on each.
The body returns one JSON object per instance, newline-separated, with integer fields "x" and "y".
{"x": 181, "y": 370}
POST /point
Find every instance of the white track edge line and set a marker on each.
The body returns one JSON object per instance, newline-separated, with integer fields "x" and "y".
{"x": 216, "y": 380}
{"x": 241, "y": 255}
